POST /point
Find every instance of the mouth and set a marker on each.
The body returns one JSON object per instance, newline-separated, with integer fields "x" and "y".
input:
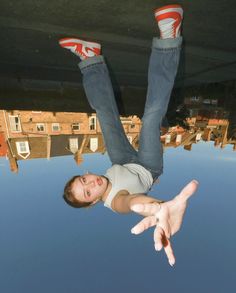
{"x": 99, "y": 181}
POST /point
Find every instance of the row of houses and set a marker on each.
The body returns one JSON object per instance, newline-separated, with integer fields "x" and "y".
{"x": 28, "y": 135}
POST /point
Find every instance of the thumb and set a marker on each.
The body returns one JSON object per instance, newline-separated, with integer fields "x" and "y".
{"x": 188, "y": 190}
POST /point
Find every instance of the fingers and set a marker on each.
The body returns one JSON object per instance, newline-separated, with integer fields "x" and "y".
{"x": 160, "y": 238}
{"x": 161, "y": 241}
{"x": 188, "y": 190}
{"x": 143, "y": 225}
{"x": 166, "y": 228}
{"x": 150, "y": 208}
{"x": 169, "y": 252}
{"x": 158, "y": 235}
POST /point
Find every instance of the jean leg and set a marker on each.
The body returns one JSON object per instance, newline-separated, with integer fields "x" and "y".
{"x": 163, "y": 67}
{"x": 100, "y": 95}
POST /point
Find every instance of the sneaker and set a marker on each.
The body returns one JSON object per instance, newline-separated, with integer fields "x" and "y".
{"x": 169, "y": 20}
{"x": 81, "y": 48}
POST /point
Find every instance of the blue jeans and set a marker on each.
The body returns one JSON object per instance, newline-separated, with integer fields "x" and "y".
{"x": 163, "y": 66}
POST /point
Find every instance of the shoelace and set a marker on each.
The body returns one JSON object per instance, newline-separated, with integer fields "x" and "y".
{"x": 167, "y": 29}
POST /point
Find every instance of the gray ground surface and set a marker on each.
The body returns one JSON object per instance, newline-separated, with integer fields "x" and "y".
{"x": 29, "y": 30}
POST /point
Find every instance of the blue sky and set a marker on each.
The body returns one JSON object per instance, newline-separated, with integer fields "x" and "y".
{"x": 46, "y": 246}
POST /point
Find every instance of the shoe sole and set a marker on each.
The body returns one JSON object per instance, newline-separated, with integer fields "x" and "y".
{"x": 168, "y": 9}
{"x": 72, "y": 41}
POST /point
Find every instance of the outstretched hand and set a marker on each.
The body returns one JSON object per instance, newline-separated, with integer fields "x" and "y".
{"x": 167, "y": 217}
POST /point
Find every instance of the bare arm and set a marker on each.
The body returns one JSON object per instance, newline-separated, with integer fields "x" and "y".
{"x": 123, "y": 201}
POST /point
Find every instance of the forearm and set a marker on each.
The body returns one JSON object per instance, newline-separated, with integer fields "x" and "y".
{"x": 142, "y": 199}
{"x": 122, "y": 204}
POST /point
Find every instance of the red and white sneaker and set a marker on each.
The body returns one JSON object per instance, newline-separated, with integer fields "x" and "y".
{"x": 81, "y": 48}
{"x": 169, "y": 19}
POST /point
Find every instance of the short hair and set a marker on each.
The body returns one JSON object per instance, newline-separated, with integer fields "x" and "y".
{"x": 69, "y": 195}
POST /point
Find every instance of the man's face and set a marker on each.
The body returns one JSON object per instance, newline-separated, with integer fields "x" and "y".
{"x": 89, "y": 187}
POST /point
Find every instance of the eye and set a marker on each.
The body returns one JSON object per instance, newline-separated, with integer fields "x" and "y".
{"x": 84, "y": 179}
{"x": 88, "y": 193}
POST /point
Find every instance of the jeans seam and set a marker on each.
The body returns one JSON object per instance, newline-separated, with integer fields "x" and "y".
{"x": 167, "y": 49}
{"x": 92, "y": 65}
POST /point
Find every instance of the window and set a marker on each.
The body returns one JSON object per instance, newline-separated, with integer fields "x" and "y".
{"x": 92, "y": 123}
{"x": 93, "y": 144}
{"x": 75, "y": 126}
{"x": 22, "y": 147}
{"x": 198, "y": 136}
{"x": 40, "y": 127}
{"x": 206, "y": 101}
{"x": 55, "y": 127}
{"x": 130, "y": 139}
{"x": 168, "y": 138}
{"x": 125, "y": 120}
{"x": 193, "y": 112}
{"x": 195, "y": 99}
{"x": 214, "y": 101}
{"x": 15, "y": 123}
{"x": 73, "y": 144}
{"x": 179, "y": 138}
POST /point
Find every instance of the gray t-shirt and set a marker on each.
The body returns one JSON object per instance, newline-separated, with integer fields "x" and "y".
{"x": 131, "y": 177}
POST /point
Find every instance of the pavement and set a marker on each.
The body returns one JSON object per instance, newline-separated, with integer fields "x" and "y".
{"x": 30, "y": 29}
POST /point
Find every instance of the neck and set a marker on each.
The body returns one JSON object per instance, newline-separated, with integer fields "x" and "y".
{"x": 108, "y": 189}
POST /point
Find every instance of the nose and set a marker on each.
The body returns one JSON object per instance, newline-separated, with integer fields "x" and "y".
{"x": 91, "y": 183}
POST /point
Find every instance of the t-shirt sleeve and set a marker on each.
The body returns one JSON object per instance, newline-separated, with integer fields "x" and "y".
{"x": 120, "y": 193}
